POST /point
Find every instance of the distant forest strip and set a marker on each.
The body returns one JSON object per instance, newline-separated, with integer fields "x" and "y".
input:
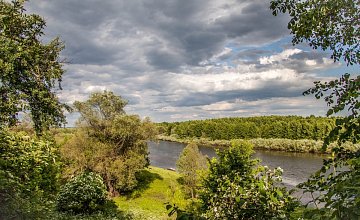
{"x": 281, "y": 133}
{"x": 273, "y": 144}
{"x": 285, "y": 127}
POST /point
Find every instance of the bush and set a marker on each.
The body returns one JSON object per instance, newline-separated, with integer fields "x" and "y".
{"x": 237, "y": 187}
{"x": 190, "y": 165}
{"x": 29, "y": 170}
{"x": 83, "y": 194}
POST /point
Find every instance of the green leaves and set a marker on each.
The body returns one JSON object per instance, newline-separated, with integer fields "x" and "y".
{"x": 30, "y": 69}
{"x": 341, "y": 183}
{"x": 29, "y": 170}
{"x": 109, "y": 142}
{"x": 84, "y": 194}
{"x": 190, "y": 165}
{"x": 341, "y": 95}
{"x": 327, "y": 25}
{"x": 31, "y": 164}
{"x": 333, "y": 25}
{"x": 289, "y": 127}
{"x": 237, "y": 187}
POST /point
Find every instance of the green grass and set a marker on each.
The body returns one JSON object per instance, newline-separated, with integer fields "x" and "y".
{"x": 158, "y": 186}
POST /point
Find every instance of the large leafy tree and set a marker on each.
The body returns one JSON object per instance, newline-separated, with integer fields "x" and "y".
{"x": 29, "y": 73}
{"x": 109, "y": 142}
{"x": 30, "y": 69}
{"x": 333, "y": 25}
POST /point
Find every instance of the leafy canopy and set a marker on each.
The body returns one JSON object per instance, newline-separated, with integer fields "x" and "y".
{"x": 328, "y": 25}
{"x": 109, "y": 142}
{"x": 30, "y": 69}
{"x": 332, "y": 25}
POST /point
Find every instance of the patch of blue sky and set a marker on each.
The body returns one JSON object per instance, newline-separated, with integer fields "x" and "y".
{"x": 267, "y": 49}
{"x": 341, "y": 70}
{"x": 264, "y": 50}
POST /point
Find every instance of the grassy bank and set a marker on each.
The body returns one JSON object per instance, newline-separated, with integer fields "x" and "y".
{"x": 158, "y": 186}
{"x": 287, "y": 145}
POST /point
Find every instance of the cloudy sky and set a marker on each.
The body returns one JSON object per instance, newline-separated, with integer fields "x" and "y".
{"x": 177, "y": 60}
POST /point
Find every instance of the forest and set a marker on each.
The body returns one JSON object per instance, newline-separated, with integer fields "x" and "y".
{"x": 287, "y": 127}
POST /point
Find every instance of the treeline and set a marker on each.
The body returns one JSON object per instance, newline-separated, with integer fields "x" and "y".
{"x": 288, "y": 127}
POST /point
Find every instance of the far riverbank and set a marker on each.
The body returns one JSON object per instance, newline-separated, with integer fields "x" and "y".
{"x": 272, "y": 144}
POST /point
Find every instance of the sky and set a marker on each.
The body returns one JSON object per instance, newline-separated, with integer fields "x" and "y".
{"x": 176, "y": 60}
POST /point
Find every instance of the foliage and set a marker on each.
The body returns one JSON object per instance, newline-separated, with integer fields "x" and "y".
{"x": 332, "y": 25}
{"x": 342, "y": 94}
{"x": 29, "y": 170}
{"x": 237, "y": 187}
{"x": 30, "y": 69}
{"x": 181, "y": 214}
{"x": 108, "y": 214}
{"x": 285, "y": 127}
{"x": 108, "y": 142}
{"x": 190, "y": 165}
{"x": 329, "y": 25}
{"x": 85, "y": 193}
{"x": 339, "y": 189}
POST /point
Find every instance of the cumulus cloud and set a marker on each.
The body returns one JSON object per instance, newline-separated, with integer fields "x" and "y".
{"x": 183, "y": 59}
{"x": 284, "y": 55}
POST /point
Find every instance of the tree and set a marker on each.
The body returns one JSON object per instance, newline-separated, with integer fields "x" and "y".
{"x": 190, "y": 164}
{"x": 29, "y": 73}
{"x": 237, "y": 187}
{"x": 30, "y": 69}
{"x": 108, "y": 142}
{"x": 328, "y": 25}
{"x": 333, "y": 25}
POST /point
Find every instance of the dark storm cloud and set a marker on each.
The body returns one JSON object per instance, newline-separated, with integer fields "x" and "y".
{"x": 253, "y": 25}
{"x": 184, "y": 32}
{"x": 164, "y": 60}
{"x": 147, "y": 51}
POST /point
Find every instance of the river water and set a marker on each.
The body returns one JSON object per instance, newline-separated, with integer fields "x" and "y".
{"x": 297, "y": 166}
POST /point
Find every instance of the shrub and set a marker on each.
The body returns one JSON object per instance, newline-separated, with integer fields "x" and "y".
{"x": 29, "y": 170}
{"x": 83, "y": 194}
{"x": 190, "y": 165}
{"x": 237, "y": 187}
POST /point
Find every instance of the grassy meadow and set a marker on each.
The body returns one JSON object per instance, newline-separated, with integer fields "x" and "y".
{"x": 157, "y": 187}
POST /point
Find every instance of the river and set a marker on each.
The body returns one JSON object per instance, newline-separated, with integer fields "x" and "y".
{"x": 297, "y": 166}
